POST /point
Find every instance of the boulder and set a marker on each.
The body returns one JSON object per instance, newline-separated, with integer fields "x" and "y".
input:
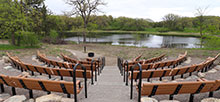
{"x": 67, "y": 100}
{"x": 210, "y": 100}
{"x": 192, "y": 78}
{"x": 148, "y": 99}
{"x": 30, "y": 100}
{"x": 212, "y": 71}
{"x": 6, "y": 59}
{"x": 201, "y": 75}
{"x": 155, "y": 81}
{"x": 16, "y": 98}
{"x": 188, "y": 61}
{"x": 179, "y": 79}
{"x": 4, "y": 97}
{"x": 169, "y": 101}
{"x": 217, "y": 68}
{"x": 49, "y": 98}
{"x": 8, "y": 67}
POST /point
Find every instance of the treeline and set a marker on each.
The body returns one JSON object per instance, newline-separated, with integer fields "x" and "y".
{"x": 28, "y": 22}
{"x": 171, "y": 22}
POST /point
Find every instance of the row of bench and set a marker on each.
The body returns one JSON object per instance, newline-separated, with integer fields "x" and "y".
{"x": 75, "y": 71}
{"x": 173, "y": 88}
{"x": 93, "y": 65}
{"x": 155, "y": 66}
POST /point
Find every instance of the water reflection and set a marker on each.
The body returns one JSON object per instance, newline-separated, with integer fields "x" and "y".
{"x": 142, "y": 40}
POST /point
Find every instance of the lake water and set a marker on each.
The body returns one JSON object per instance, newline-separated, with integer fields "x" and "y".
{"x": 141, "y": 40}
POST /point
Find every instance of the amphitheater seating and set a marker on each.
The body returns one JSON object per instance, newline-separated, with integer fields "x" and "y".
{"x": 54, "y": 71}
{"x": 151, "y": 89}
{"x": 163, "y": 64}
{"x": 39, "y": 84}
{"x": 173, "y": 72}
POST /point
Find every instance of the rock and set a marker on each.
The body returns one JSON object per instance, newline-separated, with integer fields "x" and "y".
{"x": 67, "y": 100}
{"x": 4, "y": 97}
{"x": 201, "y": 75}
{"x": 30, "y": 100}
{"x": 49, "y": 98}
{"x": 192, "y": 78}
{"x": 34, "y": 58}
{"x": 6, "y": 59}
{"x": 25, "y": 74}
{"x": 169, "y": 101}
{"x": 188, "y": 61}
{"x": 148, "y": 99}
{"x": 217, "y": 68}
{"x": 8, "y": 67}
{"x": 16, "y": 98}
{"x": 212, "y": 71}
{"x": 179, "y": 79}
{"x": 210, "y": 100}
{"x": 155, "y": 81}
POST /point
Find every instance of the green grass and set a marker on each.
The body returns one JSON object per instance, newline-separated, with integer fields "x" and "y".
{"x": 12, "y": 47}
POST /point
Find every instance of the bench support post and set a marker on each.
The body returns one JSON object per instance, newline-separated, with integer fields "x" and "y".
{"x": 171, "y": 97}
{"x": 2, "y": 88}
{"x": 31, "y": 93}
{"x": 13, "y": 91}
{"x": 68, "y": 96}
{"x": 32, "y": 73}
{"x": 191, "y": 98}
{"x": 210, "y": 94}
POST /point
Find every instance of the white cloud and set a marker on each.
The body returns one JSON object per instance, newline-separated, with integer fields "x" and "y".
{"x": 153, "y": 9}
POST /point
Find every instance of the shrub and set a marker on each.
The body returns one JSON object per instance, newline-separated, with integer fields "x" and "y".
{"x": 163, "y": 30}
{"x": 29, "y": 39}
{"x": 53, "y": 36}
{"x": 211, "y": 42}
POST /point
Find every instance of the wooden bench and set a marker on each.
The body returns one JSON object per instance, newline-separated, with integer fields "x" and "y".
{"x": 171, "y": 72}
{"x": 172, "y": 88}
{"x": 54, "y": 71}
{"x": 40, "y": 84}
{"x": 175, "y": 62}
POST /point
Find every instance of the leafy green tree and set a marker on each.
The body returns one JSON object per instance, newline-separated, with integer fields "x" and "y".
{"x": 12, "y": 19}
{"x": 171, "y": 21}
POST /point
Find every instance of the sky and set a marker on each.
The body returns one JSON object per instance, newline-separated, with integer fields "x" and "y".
{"x": 147, "y": 9}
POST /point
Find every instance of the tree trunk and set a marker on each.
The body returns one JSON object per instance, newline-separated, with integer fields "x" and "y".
{"x": 13, "y": 38}
{"x": 200, "y": 29}
{"x": 84, "y": 33}
{"x": 19, "y": 41}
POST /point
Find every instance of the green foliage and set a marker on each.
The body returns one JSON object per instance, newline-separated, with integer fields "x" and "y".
{"x": 29, "y": 39}
{"x": 211, "y": 41}
{"x": 53, "y": 36}
{"x": 163, "y": 30}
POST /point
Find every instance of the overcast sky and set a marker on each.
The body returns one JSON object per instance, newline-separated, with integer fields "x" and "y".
{"x": 152, "y": 9}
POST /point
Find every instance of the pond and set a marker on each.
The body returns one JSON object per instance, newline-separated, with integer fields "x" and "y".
{"x": 141, "y": 40}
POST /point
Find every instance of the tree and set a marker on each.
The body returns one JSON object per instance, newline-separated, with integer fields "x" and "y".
{"x": 12, "y": 19}
{"x": 200, "y": 12}
{"x": 170, "y": 21}
{"x": 85, "y": 8}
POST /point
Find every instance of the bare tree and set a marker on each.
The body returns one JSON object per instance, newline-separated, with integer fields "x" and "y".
{"x": 200, "y": 12}
{"x": 85, "y": 8}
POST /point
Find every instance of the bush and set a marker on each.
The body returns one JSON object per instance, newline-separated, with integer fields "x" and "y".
{"x": 163, "y": 30}
{"x": 53, "y": 36}
{"x": 211, "y": 42}
{"x": 29, "y": 39}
